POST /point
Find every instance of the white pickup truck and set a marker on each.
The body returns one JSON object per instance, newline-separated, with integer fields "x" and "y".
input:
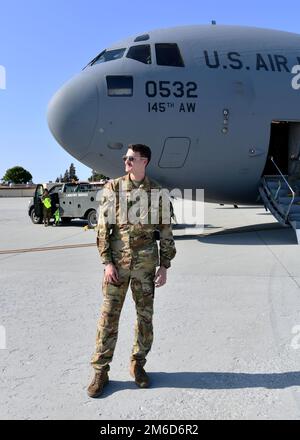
{"x": 75, "y": 200}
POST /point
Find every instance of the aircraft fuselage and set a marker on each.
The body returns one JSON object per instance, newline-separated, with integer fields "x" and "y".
{"x": 208, "y": 122}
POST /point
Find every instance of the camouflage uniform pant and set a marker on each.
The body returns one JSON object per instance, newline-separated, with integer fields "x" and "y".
{"x": 142, "y": 286}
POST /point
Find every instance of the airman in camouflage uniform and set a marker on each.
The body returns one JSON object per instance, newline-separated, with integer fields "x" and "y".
{"x": 131, "y": 248}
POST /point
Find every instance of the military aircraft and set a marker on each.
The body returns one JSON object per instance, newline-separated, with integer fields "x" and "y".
{"x": 219, "y": 106}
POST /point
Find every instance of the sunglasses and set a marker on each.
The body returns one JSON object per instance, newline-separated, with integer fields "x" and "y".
{"x": 131, "y": 158}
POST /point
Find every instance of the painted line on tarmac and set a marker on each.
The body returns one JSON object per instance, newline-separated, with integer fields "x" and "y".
{"x": 48, "y": 248}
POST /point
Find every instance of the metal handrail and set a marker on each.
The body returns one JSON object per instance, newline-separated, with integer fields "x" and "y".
{"x": 278, "y": 189}
{"x": 291, "y": 189}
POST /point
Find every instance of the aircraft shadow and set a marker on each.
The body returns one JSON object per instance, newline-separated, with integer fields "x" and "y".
{"x": 276, "y": 234}
{"x": 211, "y": 381}
{"x": 239, "y": 207}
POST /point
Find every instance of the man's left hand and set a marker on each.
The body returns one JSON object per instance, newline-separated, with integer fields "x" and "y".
{"x": 160, "y": 277}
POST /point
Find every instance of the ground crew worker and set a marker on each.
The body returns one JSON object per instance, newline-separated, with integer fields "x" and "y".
{"x": 56, "y": 217}
{"x": 294, "y": 172}
{"x": 46, "y": 207}
{"x": 130, "y": 254}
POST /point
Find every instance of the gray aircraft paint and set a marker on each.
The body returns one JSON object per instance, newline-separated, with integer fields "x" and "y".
{"x": 243, "y": 82}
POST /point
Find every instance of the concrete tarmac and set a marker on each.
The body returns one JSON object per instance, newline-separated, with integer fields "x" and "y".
{"x": 227, "y": 324}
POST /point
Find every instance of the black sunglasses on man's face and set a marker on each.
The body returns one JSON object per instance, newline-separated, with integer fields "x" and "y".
{"x": 131, "y": 158}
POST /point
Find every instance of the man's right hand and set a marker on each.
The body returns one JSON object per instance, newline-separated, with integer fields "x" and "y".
{"x": 111, "y": 274}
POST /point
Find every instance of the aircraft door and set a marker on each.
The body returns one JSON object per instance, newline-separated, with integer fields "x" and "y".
{"x": 284, "y": 147}
{"x": 175, "y": 152}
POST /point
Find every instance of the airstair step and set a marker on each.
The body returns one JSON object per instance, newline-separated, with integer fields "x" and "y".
{"x": 274, "y": 177}
{"x": 280, "y": 193}
{"x": 274, "y": 184}
{"x": 287, "y": 200}
{"x": 294, "y": 209}
{"x": 294, "y": 217}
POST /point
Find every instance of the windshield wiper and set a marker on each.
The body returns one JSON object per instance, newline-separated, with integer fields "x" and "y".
{"x": 94, "y": 60}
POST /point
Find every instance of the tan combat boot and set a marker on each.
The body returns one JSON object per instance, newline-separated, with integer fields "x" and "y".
{"x": 96, "y": 387}
{"x": 139, "y": 374}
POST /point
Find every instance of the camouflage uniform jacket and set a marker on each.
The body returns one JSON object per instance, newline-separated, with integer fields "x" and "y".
{"x": 133, "y": 245}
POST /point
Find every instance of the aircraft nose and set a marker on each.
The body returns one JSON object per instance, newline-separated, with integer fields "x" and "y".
{"x": 72, "y": 115}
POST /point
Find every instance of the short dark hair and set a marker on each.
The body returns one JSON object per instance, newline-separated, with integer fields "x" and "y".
{"x": 144, "y": 150}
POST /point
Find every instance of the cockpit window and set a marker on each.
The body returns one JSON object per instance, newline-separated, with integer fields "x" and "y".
{"x": 107, "y": 55}
{"x": 140, "y": 53}
{"x": 168, "y": 54}
{"x": 119, "y": 85}
{"x": 143, "y": 37}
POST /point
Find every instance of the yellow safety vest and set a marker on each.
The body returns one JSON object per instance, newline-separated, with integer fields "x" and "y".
{"x": 47, "y": 202}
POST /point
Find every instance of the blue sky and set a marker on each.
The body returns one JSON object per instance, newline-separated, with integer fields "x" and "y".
{"x": 43, "y": 43}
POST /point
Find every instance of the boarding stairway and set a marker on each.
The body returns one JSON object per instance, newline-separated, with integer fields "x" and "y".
{"x": 281, "y": 199}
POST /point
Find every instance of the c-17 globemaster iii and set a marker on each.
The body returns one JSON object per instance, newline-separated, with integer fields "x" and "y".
{"x": 218, "y": 105}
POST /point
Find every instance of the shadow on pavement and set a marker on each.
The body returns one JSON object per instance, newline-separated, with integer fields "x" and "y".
{"x": 211, "y": 381}
{"x": 221, "y": 380}
{"x": 265, "y": 234}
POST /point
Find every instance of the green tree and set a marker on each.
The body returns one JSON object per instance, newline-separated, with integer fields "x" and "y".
{"x": 95, "y": 177}
{"x": 72, "y": 172}
{"x": 17, "y": 175}
{"x": 66, "y": 177}
{"x": 59, "y": 179}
